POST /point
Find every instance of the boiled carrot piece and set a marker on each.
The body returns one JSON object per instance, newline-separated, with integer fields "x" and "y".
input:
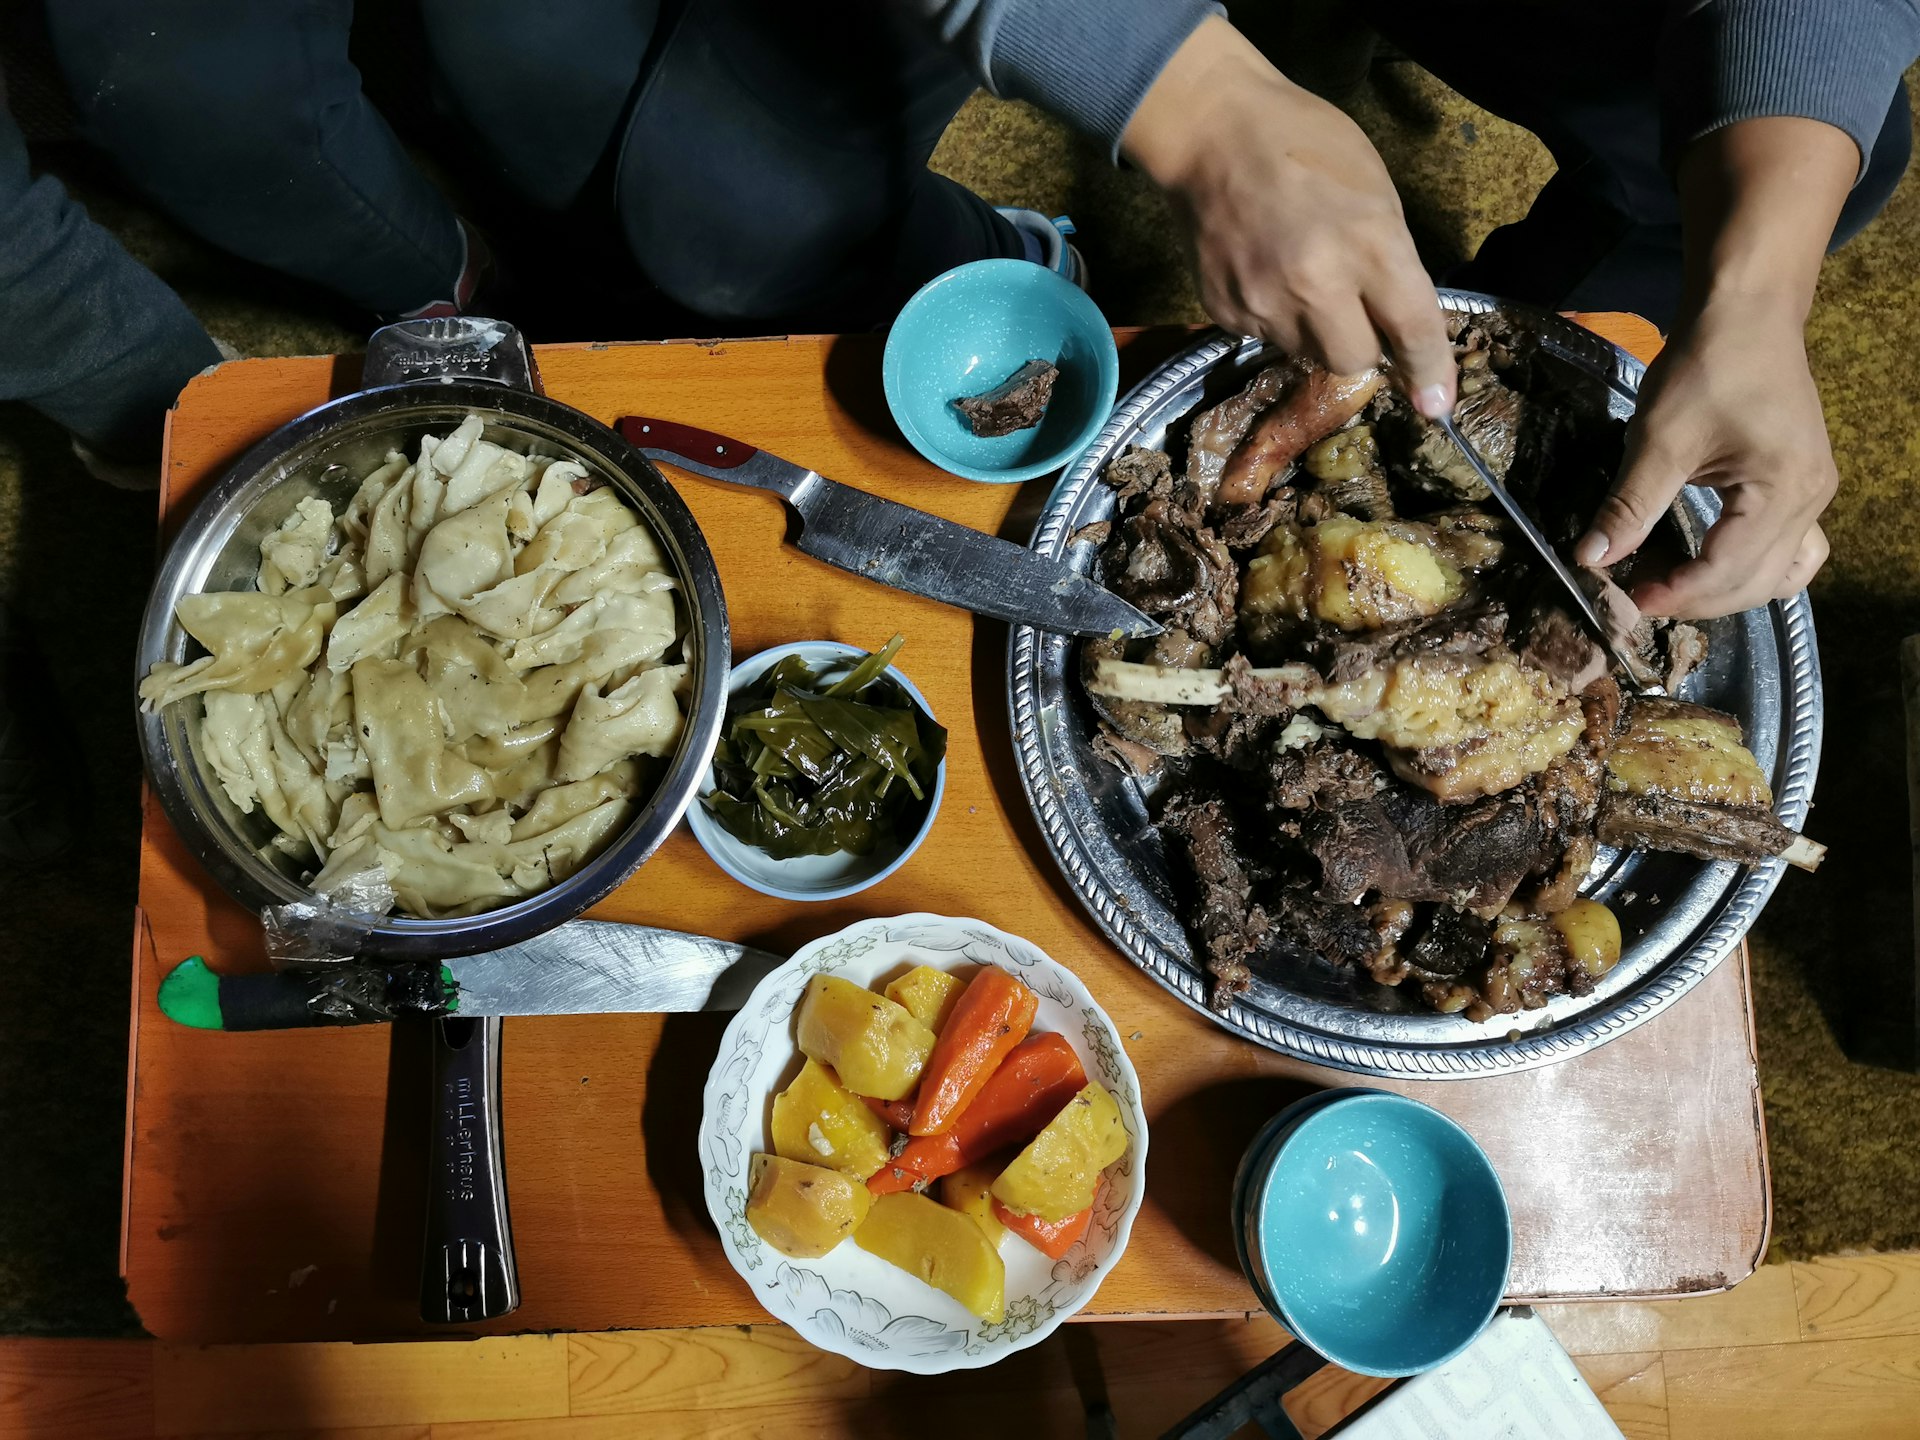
{"x": 897, "y": 1113}
{"x": 1052, "y": 1238}
{"x": 992, "y": 1015}
{"x": 1032, "y": 1084}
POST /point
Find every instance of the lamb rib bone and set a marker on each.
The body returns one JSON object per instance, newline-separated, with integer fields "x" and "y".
{"x": 1281, "y": 687}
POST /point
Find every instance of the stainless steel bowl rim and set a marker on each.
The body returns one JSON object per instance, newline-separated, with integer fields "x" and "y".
{"x": 1700, "y": 929}
{"x": 204, "y": 533}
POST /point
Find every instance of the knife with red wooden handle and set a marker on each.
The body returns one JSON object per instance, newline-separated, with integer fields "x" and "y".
{"x": 897, "y": 545}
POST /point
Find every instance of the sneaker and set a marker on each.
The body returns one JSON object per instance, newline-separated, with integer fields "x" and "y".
{"x": 1047, "y": 243}
{"x": 477, "y": 271}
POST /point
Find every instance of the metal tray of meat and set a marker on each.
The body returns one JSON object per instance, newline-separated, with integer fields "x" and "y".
{"x": 1679, "y": 916}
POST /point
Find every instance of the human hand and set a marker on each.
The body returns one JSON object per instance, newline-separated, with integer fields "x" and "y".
{"x": 1729, "y": 403}
{"x": 1297, "y": 231}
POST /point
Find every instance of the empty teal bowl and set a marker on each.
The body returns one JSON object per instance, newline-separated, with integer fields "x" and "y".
{"x": 966, "y": 331}
{"x": 1380, "y": 1234}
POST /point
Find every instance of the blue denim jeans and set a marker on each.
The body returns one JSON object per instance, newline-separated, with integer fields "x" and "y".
{"x": 764, "y": 164}
{"x": 88, "y": 336}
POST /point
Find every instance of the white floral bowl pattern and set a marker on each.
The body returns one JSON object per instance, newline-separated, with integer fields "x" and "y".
{"x": 856, "y": 1304}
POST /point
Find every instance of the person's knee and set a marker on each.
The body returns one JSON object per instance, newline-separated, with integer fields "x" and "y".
{"x": 718, "y": 254}
{"x": 214, "y": 110}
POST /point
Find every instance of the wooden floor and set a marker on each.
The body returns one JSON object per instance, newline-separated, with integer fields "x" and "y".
{"x": 1827, "y": 1349}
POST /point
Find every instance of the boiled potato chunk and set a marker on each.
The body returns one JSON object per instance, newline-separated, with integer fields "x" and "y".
{"x": 941, "y": 1246}
{"x": 818, "y": 1120}
{"x": 873, "y": 1045}
{"x": 970, "y": 1191}
{"x": 927, "y": 994}
{"x": 1055, "y": 1176}
{"x": 802, "y": 1210}
{"x": 1592, "y": 934}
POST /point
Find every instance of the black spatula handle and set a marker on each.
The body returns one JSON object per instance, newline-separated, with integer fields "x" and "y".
{"x": 467, "y": 1270}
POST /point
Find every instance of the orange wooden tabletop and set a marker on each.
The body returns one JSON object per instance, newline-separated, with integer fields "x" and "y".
{"x": 275, "y": 1181}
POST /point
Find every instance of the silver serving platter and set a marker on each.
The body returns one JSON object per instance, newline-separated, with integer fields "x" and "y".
{"x": 1679, "y": 916}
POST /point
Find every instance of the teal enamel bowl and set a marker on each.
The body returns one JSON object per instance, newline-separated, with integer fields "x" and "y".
{"x": 1376, "y": 1230}
{"x": 966, "y": 331}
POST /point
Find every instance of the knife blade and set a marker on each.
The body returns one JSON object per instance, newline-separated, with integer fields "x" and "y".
{"x": 1543, "y": 548}
{"x": 584, "y": 967}
{"x": 898, "y": 545}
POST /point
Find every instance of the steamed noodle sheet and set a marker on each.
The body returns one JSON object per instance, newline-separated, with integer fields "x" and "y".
{"x": 461, "y": 679}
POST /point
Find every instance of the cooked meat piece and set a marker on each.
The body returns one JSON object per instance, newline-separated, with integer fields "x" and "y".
{"x": 1230, "y": 924}
{"x": 1391, "y": 920}
{"x": 1458, "y": 728}
{"x": 1346, "y": 467}
{"x": 1473, "y": 632}
{"x": 1139, "y": 475}
{"x": 1455, "y": 942}
{"x": 1631, "y": 631}
{"x": 1679, "y": 778}
{"x": 1364, "y": 496}
{"x": 1215, "y": 434}
{"x": 1402, "y": 844}
{"x": 1256, "y": 692}
{"x": 1354, "y": 574}
{"x": 1180, "y": 651}
{"x": 1559, "y": 645}
{"x": 1686, "y": 751}
{"x": 1128, "y": 756}
{"x": 1693, "y": 827}
{"x": 1095, "y": 533}
{"x": 1237, "y": 739}
{"x": 1183, "y": 577}
{"x": 1489, "y": 418}
{"x": 1143, "y": 724}
{"x": 1016, "y": 403}
{"x": 1686, "y": 652}
{"x": 1317, "y": 402}
{"x": 1473, "y": 539}
{"x": 1323, "y": 773}
{"x": 1244, "y": 526}
{"x": 1601, "y": 703}
{"x": 1340, "y": 934}
{"x": 1560, "y": 887}
{"x": 1531, "y": 962}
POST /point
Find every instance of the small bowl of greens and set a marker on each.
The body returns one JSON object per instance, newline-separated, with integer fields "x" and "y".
{"x": 828, "y": 774}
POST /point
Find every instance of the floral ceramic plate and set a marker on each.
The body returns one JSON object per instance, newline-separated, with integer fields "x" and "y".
{"x": 857, "y": 1304}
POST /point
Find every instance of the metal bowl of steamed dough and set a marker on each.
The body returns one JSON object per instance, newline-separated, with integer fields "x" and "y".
{"x": 424, "y": 376}
{"x": 1679, "y": 916}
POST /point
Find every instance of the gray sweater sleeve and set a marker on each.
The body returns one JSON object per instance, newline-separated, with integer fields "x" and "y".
{"x": 1832, "y": 60}
{"x": 1088, "y": 61}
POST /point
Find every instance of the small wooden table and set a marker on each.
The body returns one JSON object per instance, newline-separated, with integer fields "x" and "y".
{"x": 274, "y": 1181}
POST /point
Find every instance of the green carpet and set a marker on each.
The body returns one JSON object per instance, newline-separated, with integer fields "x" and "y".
{"x": 1833, "y": 954}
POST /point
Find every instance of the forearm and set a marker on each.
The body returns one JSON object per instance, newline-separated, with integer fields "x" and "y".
{"x": 1087, "y": 61}
{"x": 1176, "y": 126}
{"x": 1759, "y": 200}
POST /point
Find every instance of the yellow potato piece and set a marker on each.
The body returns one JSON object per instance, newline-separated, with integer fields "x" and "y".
{"x": 1055, "y": 1176}
{"x": 819, "y": 1121}
{"x": 873, "y": 1045}
{"x": 970, "y": 1191}
{"x": 802, "y": 1210}
{"x": 927, "y": 994}
{"x": 1592, "y": 934}
{"x": 940, "y": 1246}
